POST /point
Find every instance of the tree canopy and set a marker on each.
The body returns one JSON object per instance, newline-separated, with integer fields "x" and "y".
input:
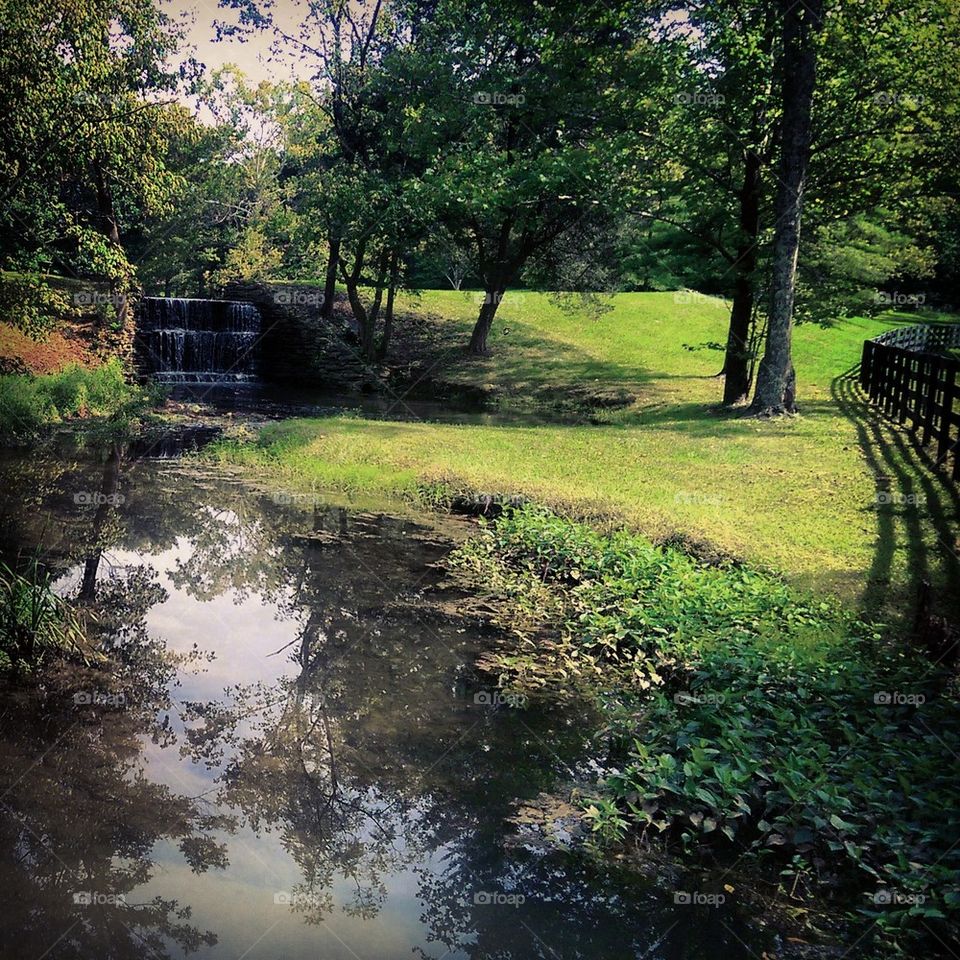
{"x": 580, "y": 145}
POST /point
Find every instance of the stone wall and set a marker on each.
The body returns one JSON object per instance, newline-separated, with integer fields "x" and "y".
{"x": 298, "y": 345}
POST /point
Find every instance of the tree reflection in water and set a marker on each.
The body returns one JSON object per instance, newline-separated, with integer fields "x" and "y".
{"x": 80, "y": 818}
{"x": 357, "y": 746}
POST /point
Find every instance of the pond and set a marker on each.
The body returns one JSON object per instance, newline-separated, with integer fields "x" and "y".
{"x": 293, "y": 755}
{"x": 268, "y": 400}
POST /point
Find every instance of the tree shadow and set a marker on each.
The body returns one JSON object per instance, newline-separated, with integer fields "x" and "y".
{"x": 699, "y": 417}
{"x": 909, "y": 492}
{"x": 521, "y": 356}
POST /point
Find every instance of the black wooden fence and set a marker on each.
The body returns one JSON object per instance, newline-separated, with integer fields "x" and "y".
{"x": 911, "y": 375}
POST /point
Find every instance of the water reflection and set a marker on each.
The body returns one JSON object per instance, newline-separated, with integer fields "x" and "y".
{"x": 80, "y": 820}
{"x": 290, "y": 758}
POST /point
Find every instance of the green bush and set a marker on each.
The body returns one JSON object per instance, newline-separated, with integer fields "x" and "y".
{"x": 29, "y": 403}
{"x": 32, "y": 305}
{"x": 748, "y": 718}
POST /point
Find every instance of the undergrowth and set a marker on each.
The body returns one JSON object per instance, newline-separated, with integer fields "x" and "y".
{"x": 749, "y": 720}
{"x": 35, "y": 623}
{"x": 30, "y": 403}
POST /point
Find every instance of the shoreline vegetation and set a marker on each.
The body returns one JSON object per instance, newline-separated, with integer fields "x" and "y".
{"x": 863, "y": 505}
{"x": 31, "y": 404}
{"x": 748, "y": 725}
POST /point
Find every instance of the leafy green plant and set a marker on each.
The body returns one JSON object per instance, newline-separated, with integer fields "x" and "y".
{"x": 29, "y": 403}
{"x": 748, "y": 719}
{"x": 32, "y": 305}
{"x": 34, "y": 621}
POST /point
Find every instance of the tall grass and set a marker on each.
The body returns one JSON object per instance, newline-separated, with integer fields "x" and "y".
{"x": 34, "y": 621}
{"x": 29, "y": 403}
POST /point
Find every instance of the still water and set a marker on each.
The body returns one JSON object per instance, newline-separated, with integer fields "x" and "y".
{"x": 294, "y": 755}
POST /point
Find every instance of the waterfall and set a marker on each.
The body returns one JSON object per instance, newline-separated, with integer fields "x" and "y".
{"x": 198, "y": 341}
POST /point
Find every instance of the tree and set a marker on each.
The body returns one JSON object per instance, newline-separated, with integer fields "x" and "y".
{"x": 447, "y": 256}
{"x": 776, "y": 379}
{"x": 176, "y": 248}
{"x": 716, "y": 177}
{"x": 531, "y": 111}
{"x": 864, "y": 143}
{"x": 713, "y": 154}
{"x": 347, "y": 42}
{"x": 82, "y": 155}
{"x": 248, "y": 197}
{"x": 883, "y": 146}
{"x": 846, "y": 263}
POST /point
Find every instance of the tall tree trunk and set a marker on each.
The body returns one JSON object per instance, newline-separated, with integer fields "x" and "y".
{"x": 352, "y": 280}
{"x": 362, "y": 317}
{"x": 111, "y": 229}
{"x": 108, "y": 218}
{"x": 330, "y": 283}
{"x": 776, "y": 392}
{"x": 736, "y": 364}
{"x": 382, "y": 266}
{"x": 497, "y": 270}
{"x": 481, "y": 329}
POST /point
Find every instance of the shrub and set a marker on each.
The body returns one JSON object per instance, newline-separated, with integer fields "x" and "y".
{"x": 32, "y": 305}
{"x": 28, "y": 403}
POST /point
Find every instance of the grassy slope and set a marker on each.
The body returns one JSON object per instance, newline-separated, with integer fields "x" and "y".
{"x": 796, "y": 494}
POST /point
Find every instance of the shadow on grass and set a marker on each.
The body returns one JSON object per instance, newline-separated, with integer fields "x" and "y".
{"x": 908, "y": 488}
{"x": 521, "y": 363}
{"x": 553, "y": 363}
{"x": 700, "y": 417}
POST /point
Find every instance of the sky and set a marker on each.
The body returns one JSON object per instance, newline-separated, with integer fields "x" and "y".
{"x": 251, "y": 55}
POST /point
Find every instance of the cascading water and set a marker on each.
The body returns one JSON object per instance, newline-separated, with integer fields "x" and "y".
{"x": 198, "y": 341}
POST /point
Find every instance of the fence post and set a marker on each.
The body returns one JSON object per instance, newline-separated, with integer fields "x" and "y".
{"x": 946, "y": 409}
{"x": 880, "y": 371}
{"x": 947, "y": 419}
{"x": 933, "y": 388}
{"x": 905, "y": 387}
{"x": 919, "y": 364}
{"x": 885, "y": 388}
{"x": 903, "y": 370}
{"x": 889, "y": 379}
{"x": 866, "y": 359}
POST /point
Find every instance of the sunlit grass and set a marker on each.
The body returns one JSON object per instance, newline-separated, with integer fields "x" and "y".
{"x": 30, "y": 403}
{"x": 799, "y": 495}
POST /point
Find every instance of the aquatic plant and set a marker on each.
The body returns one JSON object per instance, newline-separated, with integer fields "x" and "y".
{"x": 34, "y": 621}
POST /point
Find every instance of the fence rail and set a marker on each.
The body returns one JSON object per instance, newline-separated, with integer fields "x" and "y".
{"x": 910, "y": 374}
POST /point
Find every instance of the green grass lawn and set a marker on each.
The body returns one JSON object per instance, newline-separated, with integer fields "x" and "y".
{"x": 799, "y": 495}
